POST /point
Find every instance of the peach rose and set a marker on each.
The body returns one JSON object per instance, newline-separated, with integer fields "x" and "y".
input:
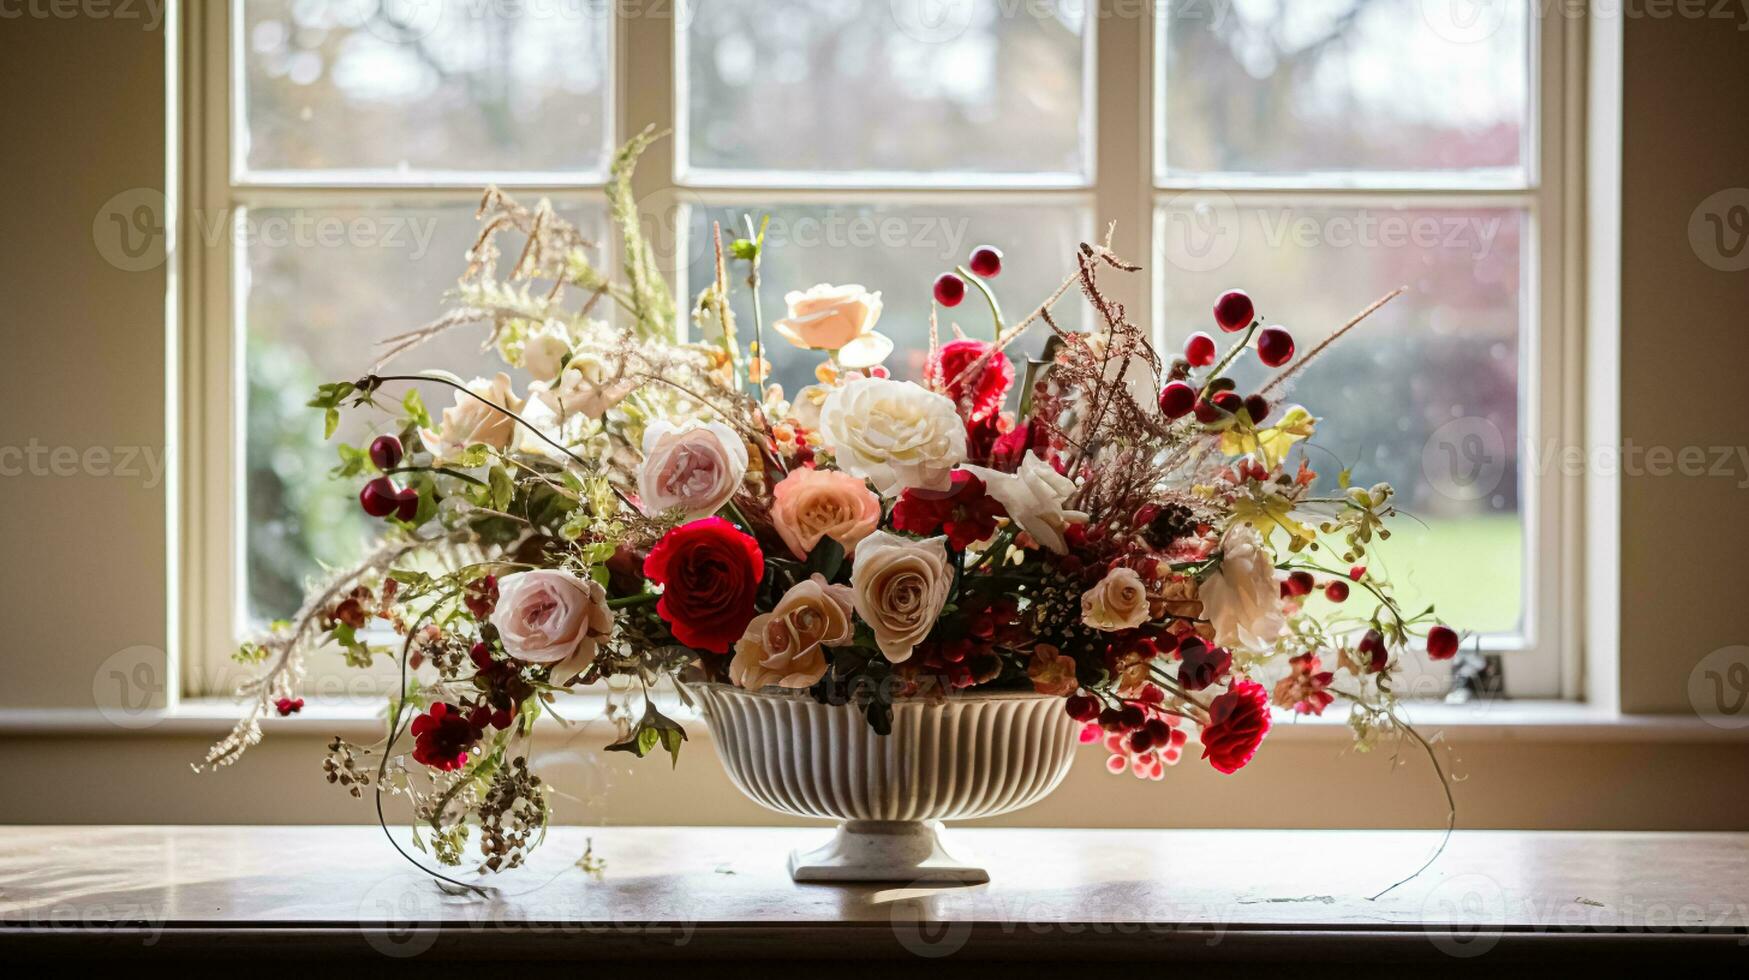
{"x": 696, "y": 467}
{"x": 784, "y": 646}
{"x": 547, "y": 616}
{"x": 1118, "y": 602}
{"x": 811, "y": 504}
{"x": 899, "y": 587}
{"x": 471, "y": 422}
{"x": 829, "y": 317}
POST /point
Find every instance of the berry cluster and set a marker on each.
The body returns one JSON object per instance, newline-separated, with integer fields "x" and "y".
{"x": 382, "y": 496}
{"x": 985, "y": 263}
{"x": 1216, "y": 400}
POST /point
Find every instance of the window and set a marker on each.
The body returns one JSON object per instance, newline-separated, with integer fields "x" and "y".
{"x": 334, "y": 152}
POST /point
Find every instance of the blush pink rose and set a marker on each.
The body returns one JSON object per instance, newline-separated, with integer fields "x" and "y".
{"x": 546, "y": 616}
{"x": 811, "y": 504}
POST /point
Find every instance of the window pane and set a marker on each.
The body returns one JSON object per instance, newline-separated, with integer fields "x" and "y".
{"x": 911, "y": 85}
{"x": 1424, "y": 395}
{"x": 320, "y": 288}
{"x": 898, "y": 251}
{"x": 1268, "y": 87}
{"x": 413, "y": 85}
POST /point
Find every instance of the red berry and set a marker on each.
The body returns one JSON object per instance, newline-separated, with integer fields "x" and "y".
{"x": 1442, "y": 643}
{"x": 1357, "y": 572}
{"x": 1082, "y": 707}
{"x": 406, "y": 503}
{"x": 1372, "y": 647}
{"x": 1275, "y": 346}
{"x": 1300, "y": 583}
{"x": 1336, "y": 591}
{"x": 1227, "y": 401}
{"x": 1176, "y": 399}
{"x": 1257, "y": 407}
{"x": 1199, "y": 350}
{"x": 1158, "y": 730}
{"x": 1111, "y": 720}
{"x": 1131, "y": 717}
{"x": 385, "y": 452}
{"x": 986, "y": 261}
{"x": 949, "y": 289}
{"x": 1233, "y": 311}
{"x": 1206, "y": 412}
{"x": 378, "y": 498}
{"x": 1141, "y": 740}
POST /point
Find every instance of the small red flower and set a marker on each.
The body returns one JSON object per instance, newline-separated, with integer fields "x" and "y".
{"x": 966, "y": 511}
{"x": 442, "y": 737}
{"x": 481, "y": 596}
{"x": 288, "y": 706}
{"x": 1203, "y": 665}
{"x": 710, "y": 572}
{"x": 1238, "y": 720}
{"x": 1303, "y": 688}
{"x": 978, "y": 389}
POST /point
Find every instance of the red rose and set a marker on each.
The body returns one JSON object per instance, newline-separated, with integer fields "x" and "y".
{"x": 710, "y": 572}
{"x": 1238, "y": 720}
{"x": 978, "y": 391}
{"x": 966, "y": 511}
{"x": 1203, "y": 665}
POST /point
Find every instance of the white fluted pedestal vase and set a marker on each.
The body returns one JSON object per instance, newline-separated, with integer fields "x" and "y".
{"x": 971, "y": 755}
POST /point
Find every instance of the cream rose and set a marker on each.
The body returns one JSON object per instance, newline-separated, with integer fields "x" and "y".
{"x": 544, "y": 349}
{"x": 696, "y": 467}
{"x": 784, "y": 647}
{"x": 811, "y": 504}
{"x": 899, "y": 587}
{"x": 1242, "y": 600}
{"x": 829, "y": 317}
{"x": 546, "y": 616}
{"x": 894, "y": 433}
{"x": 1034, "y": 497}
{"x": 471, "y": 422}
{"x": 1118, "y": 602}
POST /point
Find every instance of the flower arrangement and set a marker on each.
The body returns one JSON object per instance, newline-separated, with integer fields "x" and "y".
{"x": 1129, "y": 532}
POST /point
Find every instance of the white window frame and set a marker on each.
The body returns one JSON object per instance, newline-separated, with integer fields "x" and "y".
{"x": 1119, "y": 184}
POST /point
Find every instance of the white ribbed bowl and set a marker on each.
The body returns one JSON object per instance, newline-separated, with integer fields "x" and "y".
{"x": 972, "y": 755}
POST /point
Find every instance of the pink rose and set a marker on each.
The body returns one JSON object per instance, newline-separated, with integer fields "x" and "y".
{"x": 811, "y": 504}
{"x": 695, "y": 468}
{"x": 551, "y": 617}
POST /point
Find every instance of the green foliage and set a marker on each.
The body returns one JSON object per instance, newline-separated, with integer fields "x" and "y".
{"x": 653, "y": 729}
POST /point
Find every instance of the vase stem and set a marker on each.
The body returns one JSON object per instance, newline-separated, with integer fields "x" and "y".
{"x": 902, "y": 851}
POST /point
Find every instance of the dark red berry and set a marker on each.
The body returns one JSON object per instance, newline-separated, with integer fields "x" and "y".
{"x": 1442, "y": 643}
{"x": 1111, "y": 720}
{"x": 1206, "y": 412}
{"x": 1176, "y": 399}
{"x": 1141, "y": 741}
{"x": 1300, "y": 583}
{"x": 1257, "y": 407}
{"x": 1227, "y": 401}
{"x": 1082, "y": 707}
{"x": 1336, "y": 591}
{"x": 986, "y": 261}
{"x": 406, "y": 503}
{"x": 1199, "y": 349}
{"x": 1158, "y": 730}
{"x": 949, "y": 289}
{"x": 1275, "y": 346}
{"x": 1372, "y": 650}
{"x": 378, "y": 498}
{"x": 1131, "y": 717}
{"x": 386, "y": 452}
{"x": 1233, "y": 311}
{"x": 1357, "y": 572}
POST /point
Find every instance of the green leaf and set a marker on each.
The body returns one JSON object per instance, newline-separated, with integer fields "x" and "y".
{"x": 330, "y": 422}
{"x": 503, "y": 488}
{"x": 414, "y": 406}
{"x": 826, "y": 559}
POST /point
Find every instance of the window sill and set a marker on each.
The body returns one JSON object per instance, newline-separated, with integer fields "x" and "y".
{"x": 1526, "y": 721}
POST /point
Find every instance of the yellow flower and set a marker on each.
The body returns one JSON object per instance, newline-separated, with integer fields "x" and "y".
{"x": 1273, "y": 443}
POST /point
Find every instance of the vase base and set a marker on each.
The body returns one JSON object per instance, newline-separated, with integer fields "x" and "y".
{"x": 884, "y": 851}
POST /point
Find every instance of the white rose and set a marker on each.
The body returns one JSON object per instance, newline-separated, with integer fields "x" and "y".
{"x": 1034, "y": 497}
{"x": 551, "y": 617}
{"x": 899, "y": 587}
{"x": 696, "y": 467}
{"x": 1118, "y": 602}
{"x": 470, "y": 421}
{"x": 1242, "y": 599}
{"x": 895, "y": 434}
{"x": 544, "y": 350}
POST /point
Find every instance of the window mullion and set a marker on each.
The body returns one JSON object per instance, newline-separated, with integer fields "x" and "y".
{"x": 1122, "y": 124}
{"x": 644, "y": 59}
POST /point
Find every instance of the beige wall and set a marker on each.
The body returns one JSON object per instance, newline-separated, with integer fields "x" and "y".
{"x": 85, "y": 577}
